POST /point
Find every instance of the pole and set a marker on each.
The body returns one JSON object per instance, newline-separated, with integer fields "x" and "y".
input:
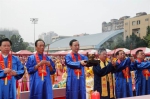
{"x": 34, "y": 21}
{"x": 34, "y": 35}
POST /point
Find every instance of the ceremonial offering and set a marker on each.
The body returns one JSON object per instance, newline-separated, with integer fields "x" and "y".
{"x": 95, "y": 95}
{"x": 91, "y": 60}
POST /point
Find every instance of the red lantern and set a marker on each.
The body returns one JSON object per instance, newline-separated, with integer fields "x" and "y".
{"x": 95, "y": 95}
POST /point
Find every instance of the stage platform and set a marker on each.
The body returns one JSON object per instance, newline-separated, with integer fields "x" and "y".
{"x": 58, "y": 93}
{"x": 138, "y": 97}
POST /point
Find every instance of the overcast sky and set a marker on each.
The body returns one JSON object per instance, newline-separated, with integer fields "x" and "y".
{"x": 65, "y": 17}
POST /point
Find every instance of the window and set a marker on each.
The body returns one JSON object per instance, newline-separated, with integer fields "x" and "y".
{"x": 133, "y": 23}
{"x": 138, "y": 22}
{"x": 138, "y": 31}
{"x": 146, "y": 19}
{"x": 126, "y": 23}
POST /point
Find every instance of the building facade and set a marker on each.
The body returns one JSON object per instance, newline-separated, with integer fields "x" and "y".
{"x": 8, "y": 33}
{"x": 114, "y": 24}
{"x": 47, "y": 37}
{"x": 137, "y": 25}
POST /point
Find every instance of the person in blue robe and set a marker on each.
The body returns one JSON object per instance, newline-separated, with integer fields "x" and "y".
{"x": 40, "y": 88}
{"x": 123, "y": 83}
{"x": 142, "y": 74}
{"x": 107, "y": 70}
{"x": 75, "y": 84}
{"x": 15, "y": 71}
{"x": 123, "y": 86}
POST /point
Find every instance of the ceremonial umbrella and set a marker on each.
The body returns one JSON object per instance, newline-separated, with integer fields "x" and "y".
{"x": 55, "y": 53}
{"x": 24, "y": 52}
{"x": 43, "y": 53}
{"x": 115, "y": 50}
{"x": 145, "y": 50}
{"x": 91, "y": 51}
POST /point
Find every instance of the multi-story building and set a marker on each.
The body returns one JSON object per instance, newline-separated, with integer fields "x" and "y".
{"x": 47, "y": 37}
{"x": 137, "y": 25}
{"x": 8, "y": 33}
{"x": 114, "y": 24}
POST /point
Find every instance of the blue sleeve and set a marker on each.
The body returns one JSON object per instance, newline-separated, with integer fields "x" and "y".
{"x": 143, "y": 65}
{"x": 101, "y": 72}
{"x": 20, "y": 69}
{"x": 53, "y": 66}
{"x": 139, "y": 66}
{"x": 2, "y": 74}
{"x": 71, "y": 64}
{"x": 30, "y": 66}
{"x": 122, "y": 65}
{"x": 133, "y": 66}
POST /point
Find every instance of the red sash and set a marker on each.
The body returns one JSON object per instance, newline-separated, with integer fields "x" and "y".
{"x": 145, "y": 72}
{"x": 41, "y": 69}
{"x": 76, "y": 71}
{"x": 9, "y": 64}
{"x": 125, "y": 71}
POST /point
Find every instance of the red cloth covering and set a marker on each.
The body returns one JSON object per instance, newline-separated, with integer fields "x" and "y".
{"x": 60, "y": 98}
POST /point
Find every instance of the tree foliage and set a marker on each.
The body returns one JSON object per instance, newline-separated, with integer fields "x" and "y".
{"x": 2, "y": 37}
{"x": 131, "y": 42}
{"x": 18, "y": 43}
{"x": 30, "y": 49}
{"x": 147, "y": 37}
{"x": 135, "y": 41}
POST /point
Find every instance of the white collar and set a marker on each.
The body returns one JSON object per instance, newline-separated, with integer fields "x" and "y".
{"x": 4, "y": 56}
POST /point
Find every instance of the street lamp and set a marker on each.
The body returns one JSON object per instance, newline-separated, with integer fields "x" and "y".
{"x": 34, "y": 21}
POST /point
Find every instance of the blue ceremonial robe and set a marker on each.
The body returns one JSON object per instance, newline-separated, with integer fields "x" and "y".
{"x": 98, "y": 73}
{"x": 75, "y": 88}
{"x": 122, "y": 87}
{"x": 142, "y": 85}
{"x": 40, "y": 89}
{"x": 9, "y": 91}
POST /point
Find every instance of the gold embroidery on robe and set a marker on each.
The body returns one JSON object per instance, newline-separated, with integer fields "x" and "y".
{"x": 104, "y": 80}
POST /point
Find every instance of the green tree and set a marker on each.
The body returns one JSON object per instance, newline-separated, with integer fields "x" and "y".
{"x": 30, "y": 49}
{"x": 135, "y": 41}
{"x": 132, "y": 39}
{"x": 8, "y": 33}
{"x": 17, "y": 43}
{"x": 2, "y": 36}
{"x": 147, "y": 37}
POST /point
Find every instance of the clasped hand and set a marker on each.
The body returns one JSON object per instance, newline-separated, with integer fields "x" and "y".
{"x": 83, "y": 62}
{"x": 10, "y": 72}
{"x": 47, "y": 63}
